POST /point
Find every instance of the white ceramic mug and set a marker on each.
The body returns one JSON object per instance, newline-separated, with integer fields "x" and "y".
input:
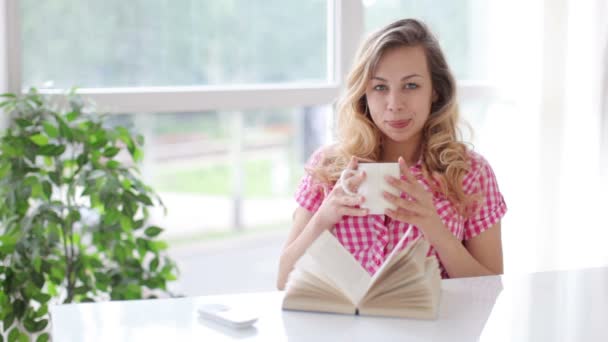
{"x": 373, "y": 185}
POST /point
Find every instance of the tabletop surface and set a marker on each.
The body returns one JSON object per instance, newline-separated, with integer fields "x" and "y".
{"x": 546, "y": 306}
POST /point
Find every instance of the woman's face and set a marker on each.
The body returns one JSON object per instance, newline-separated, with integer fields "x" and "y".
{"x": 400, "y": 94}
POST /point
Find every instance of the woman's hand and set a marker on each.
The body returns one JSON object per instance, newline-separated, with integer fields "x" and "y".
{"x": 418, "y": 207}
{"x": 339, "y": 203}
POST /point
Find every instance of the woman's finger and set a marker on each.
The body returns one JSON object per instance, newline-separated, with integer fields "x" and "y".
{"x": 407, "y": 175}
{"x": 410, "y": 206}
{"x": 355, "y": 181}
{"x": 402, "y": 215}
{"x": 349, "y": 211}
{"x": 350, "y": 200}
{"x": 414, "y": 192}
{"x": 404, "y": 170}
{"x": 409, "y": 184}
{"x": 353, "y": 163}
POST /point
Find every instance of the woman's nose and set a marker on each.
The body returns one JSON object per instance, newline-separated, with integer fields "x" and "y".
{"x": 394, "y": 103}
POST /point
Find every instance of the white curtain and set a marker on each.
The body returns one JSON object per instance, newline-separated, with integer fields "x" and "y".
{"x": 548, "y": 60}
{"x": 582, "y": 228}
{"x": 603, "y": 29}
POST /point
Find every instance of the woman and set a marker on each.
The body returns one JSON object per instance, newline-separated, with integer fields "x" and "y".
{"x": 400, "y": 106}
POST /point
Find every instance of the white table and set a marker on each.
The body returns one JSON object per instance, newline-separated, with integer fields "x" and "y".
{"x": 550, "y": 306}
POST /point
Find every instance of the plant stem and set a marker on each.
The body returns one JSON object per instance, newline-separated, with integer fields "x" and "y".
{"x": 68, "y": 272}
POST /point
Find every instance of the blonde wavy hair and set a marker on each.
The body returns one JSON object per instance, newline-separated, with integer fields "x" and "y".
{"x": 444, "y": 155}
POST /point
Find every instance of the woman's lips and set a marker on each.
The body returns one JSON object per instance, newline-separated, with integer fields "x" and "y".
{"x": 399, "y": 123}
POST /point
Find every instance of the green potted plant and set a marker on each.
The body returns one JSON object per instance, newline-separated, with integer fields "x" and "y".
{"x": 73, "y": 213}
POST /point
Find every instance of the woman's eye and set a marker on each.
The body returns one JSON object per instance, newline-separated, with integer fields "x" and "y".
{"x": 411, "y": 86}
{"x": 380, "y": 87}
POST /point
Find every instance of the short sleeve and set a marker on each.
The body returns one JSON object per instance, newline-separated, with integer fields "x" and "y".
{"x": 491, "y": 206}
{"x": 310, "y": 194}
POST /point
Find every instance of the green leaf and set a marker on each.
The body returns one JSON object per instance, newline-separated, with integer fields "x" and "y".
{"x": 138, "y": 224}
{"x": 4, "y": 169}
{"x": 37, "y": 190}
{"x": 42, "y": 297}
{"x": 37, "y": 263}
{"x": 74, "y": 215}
{"x": 43, "y": 310}
{"x": 37, "y": 279}
{"x": 8, "y": 321}
{"x": 154, "y": 264}
{"x": 47, "y": 187}
{"x": 82, "y": 159}
{"x": 111, "y": 152}
{"x": 48, "y": 161}
{"x": 126, "y": 223}
{"x": 111, "y": 217}
{"x": 57, "y": 274}
{"x": 50, "y": 129}
{"x": 13, "y": 336}
{"x": 126, "y": 184}
{"x": 64, "y": 129}
{"x": 153, "y": 231}
{"x": 81, "y": 290}
{"x": 71, "y": 116}
{"x": 52, "y": 289}
{"x": 7, "y": 243}
{"x": 120, "y": 254}
{"x": 43, "y": 338}
{"x": 39, "y": 139}
{"x": 158, "y": 246}
{"x": 112, "y": 164}
{"x": 19, "y": 308}
{"x": 145, "y": 199}
{"x": 23, "y": 123}
{"x": 138, "y": 155}
{"x": 29, "y": 324}
{"x": 51, "y": 150}
{"x": 55, "y": 177}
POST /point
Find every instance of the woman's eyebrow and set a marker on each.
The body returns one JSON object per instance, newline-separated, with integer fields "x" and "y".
{"x": 402, "y": 78}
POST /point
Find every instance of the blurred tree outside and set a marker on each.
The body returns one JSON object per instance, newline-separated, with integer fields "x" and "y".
{"x": 115, "y": 43}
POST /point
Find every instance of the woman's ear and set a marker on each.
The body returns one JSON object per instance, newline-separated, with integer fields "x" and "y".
{"x": 435, "y": 96}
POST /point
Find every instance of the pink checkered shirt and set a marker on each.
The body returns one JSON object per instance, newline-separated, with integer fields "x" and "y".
{"x": 371, "y": 238}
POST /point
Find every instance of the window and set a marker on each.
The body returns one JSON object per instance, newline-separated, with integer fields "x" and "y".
{"x": 97, "y": 44}
{"x": 217, "y": 171}
{"x": 460, "y": 36}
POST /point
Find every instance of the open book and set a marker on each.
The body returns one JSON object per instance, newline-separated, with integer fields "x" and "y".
{"x": 327, "y": 278}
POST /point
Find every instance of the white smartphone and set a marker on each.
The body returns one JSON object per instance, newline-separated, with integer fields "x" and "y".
{"x": 225, "y": 315}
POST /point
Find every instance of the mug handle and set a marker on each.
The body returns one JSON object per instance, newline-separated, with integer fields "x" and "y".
{"x": 347, "y": 172}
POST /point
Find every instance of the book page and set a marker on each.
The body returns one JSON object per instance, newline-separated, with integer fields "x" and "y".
{"x": 307, "y": 292}
{"x": 403, "y": 271}
{"x": 395, "y": 253}
{"x": 412, "y": 288}
{"x": 334, "y": 264}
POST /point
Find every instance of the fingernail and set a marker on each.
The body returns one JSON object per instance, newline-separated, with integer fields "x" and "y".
{"x": 362, "y": 199}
